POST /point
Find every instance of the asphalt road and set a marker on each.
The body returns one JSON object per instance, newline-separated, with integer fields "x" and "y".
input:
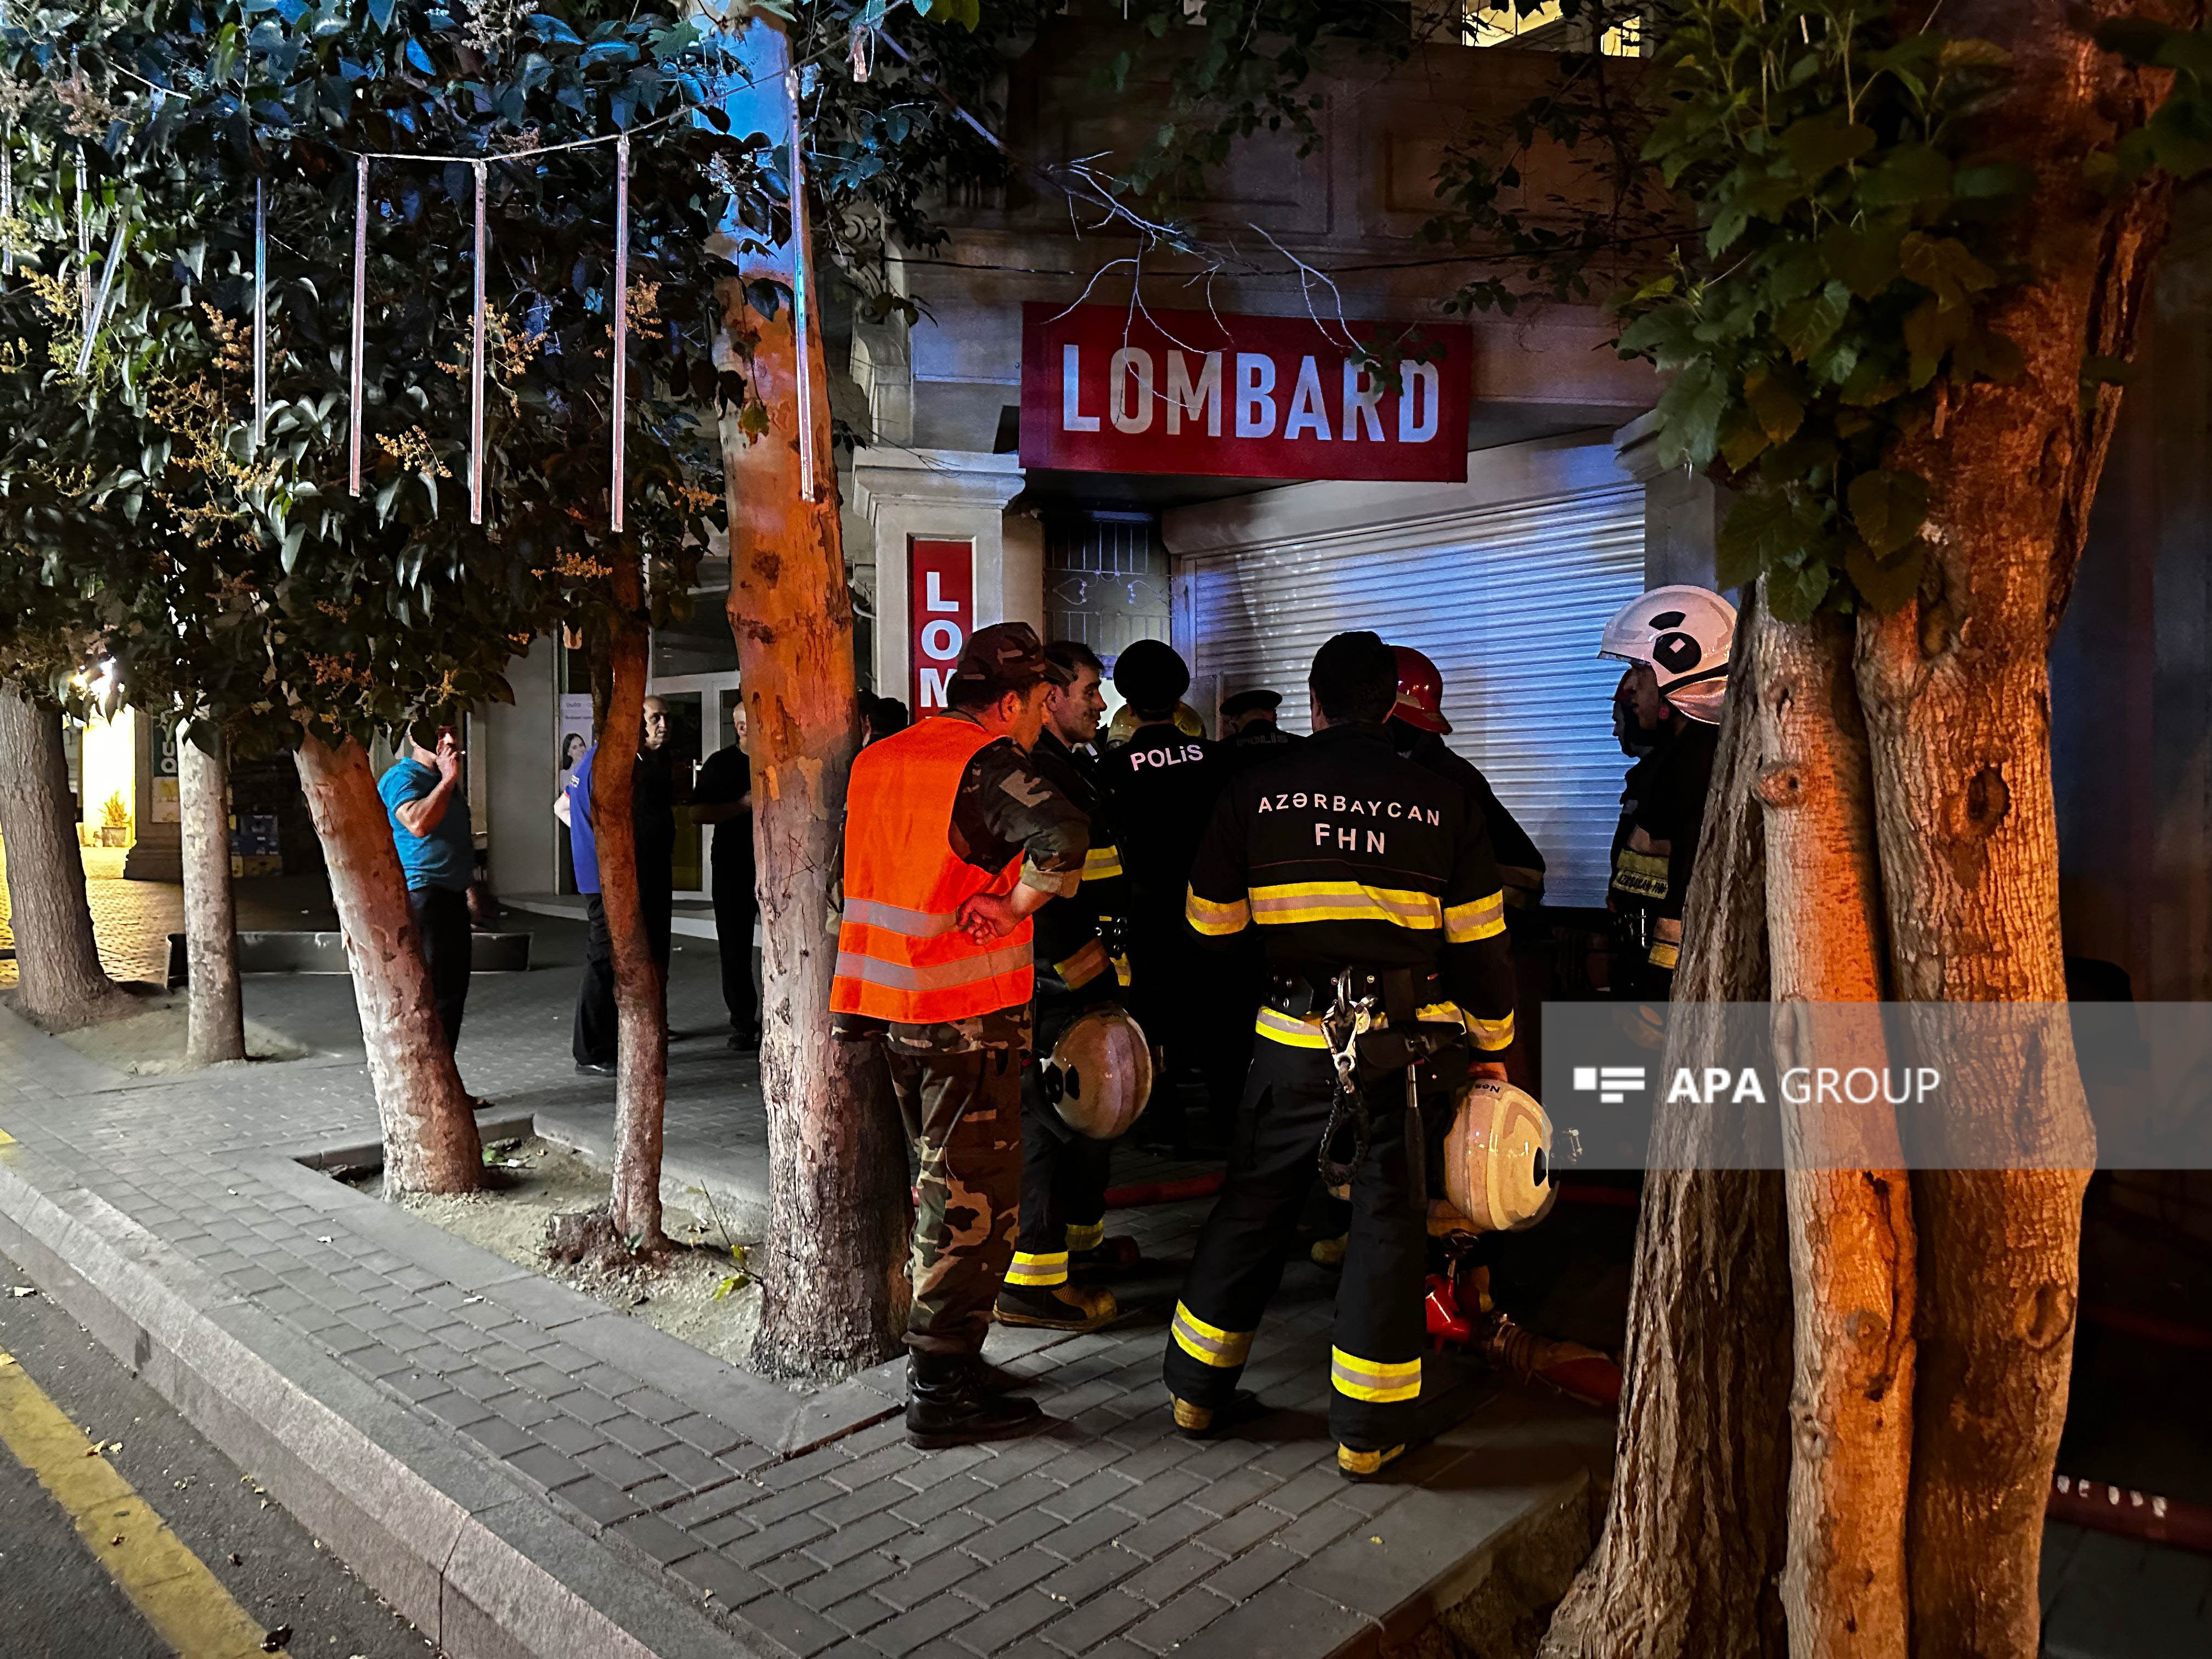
{"x": 57, "y": 1600}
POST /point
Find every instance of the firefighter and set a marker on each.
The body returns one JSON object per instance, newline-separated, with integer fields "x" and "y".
{"x": 1360, "y": 873}
{"x": 1160, "y": 787}
{"x": 1417, "y": 730}
{"x": 1677, "y": 641}
{"x": 1064, "y": 1173}
{"x": 953, "y": 841}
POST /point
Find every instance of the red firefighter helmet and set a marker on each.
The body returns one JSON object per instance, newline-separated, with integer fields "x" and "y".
{"x": 1420, "y": 691}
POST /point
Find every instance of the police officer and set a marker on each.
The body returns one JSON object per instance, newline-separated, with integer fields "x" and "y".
{"x": 1064, "y": 1173}
{"x": 1417, "y": 730}
{"x": 1249, "y": 733}
{"x": 1347, "y": 861}
{"x": 1161, "y": 785}
{"x": 953, "y": 842}
{"x": 1677, "y": 641}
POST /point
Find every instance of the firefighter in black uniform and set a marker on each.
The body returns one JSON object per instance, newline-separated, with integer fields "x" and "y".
{"x": 1677, "y": 641}
{"x": 1160, "y": 788}
{"x": 1347, "y": 861}
{"x": 1417, "y": 730}
{"x": 1063, "y": 1173}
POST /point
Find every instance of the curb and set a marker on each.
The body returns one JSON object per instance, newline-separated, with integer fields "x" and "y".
{"x": 474, "y": 1559}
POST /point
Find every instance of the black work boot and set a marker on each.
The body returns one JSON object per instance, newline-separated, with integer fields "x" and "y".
{"x": 1055, "y": 1307}
{"x": 947, "y": 1404}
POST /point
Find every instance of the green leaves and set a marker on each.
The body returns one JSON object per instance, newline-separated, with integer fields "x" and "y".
{"x": 1888, "y": 508}
{"x": 1820, "y": 143}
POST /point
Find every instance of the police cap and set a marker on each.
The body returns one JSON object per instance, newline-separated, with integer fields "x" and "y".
{"x": 1151, "y": 676}
{"x": 1245, "y": 702}
{"x": 1002, "y": 658}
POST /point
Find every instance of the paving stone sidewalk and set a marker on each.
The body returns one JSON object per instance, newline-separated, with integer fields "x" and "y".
{"x": 802, "y": 1521}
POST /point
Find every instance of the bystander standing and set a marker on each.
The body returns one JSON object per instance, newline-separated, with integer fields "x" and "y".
{"x": 428, "y": 806}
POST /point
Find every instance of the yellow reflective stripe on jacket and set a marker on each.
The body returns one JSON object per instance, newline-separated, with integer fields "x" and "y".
{"x": 1101, "y": 864}
{"x": 1374, "y": 1379}
{"x": 934, "y": 977}
{"x": 1214, "y": 918}
{"x": 1665, "y": 956}
{"x": 1288, "y": 1029}
{"x": 1209, "y": 1344}
{"x": 1640, "y": 875}
{"x": 1084, "y": 966}
{"x": 1038, "y": 1269}
{"x": 1296, "y": 902}
{"x": 1085, "y": 1234}
{"x": 1490, "y": 1035}
{"x": 1483, "y": 918}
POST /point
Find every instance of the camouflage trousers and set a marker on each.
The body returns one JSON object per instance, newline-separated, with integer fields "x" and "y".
{"x": 967, "y": 1106}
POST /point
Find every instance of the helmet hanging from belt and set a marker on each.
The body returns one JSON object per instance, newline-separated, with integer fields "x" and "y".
{"x": 1684, "y": 636}
{"x": 1100, "y": 1074}
{"x": 1498, "y": 1157}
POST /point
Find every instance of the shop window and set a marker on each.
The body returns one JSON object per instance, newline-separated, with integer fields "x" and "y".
{"x": 1106, "y": 580}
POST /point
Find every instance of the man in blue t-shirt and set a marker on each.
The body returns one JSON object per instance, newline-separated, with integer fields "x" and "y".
{"x": 430, "y": 812}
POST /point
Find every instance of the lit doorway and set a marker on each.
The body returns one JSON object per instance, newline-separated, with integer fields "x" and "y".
{"x": 695, "y": 673}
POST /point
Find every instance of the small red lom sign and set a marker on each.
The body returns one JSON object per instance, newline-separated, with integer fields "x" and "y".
{"x": 1105, "y": 389}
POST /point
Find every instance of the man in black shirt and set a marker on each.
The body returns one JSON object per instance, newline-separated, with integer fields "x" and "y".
{"x": 723, "y": 797}
{"x": 1249, "y": 731}
{"x": 1346, "y": 860}
{"x": 1417, "y": 730}
{"x": 1160, "y": 787}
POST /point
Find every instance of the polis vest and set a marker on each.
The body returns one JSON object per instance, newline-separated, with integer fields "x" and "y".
{"x": 901, "y": 955}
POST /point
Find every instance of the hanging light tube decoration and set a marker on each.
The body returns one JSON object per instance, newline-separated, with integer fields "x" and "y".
{"x": 260, "y": 313}
{"x": 360, "y": 310}
{"x": 100, "y": 301}
{"x": 801, "y": 242}
{"x": 620, "y": 418}
{"x": 477, "y": 368}
{"x": 83, "y": 247}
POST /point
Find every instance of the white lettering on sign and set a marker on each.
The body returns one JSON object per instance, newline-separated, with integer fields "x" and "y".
{"x": 1255, "y": 407}
{"x": 941, "y": 641}
{"x": 934, "y": 592}
{"x": 1360, "y": 401}
{"x": 1072, "y": 417}
{"x": 1188, "y": 397}
{"x": 1424, "y": 392}
{"x": 1130, "y": 371}
{"x": 937, "y": 687}
{"x": 1308, "y": 412}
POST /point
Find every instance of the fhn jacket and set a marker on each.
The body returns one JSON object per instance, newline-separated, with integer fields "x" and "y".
{"x": 1343, "y": 854}
{"x": 936, "y": 815}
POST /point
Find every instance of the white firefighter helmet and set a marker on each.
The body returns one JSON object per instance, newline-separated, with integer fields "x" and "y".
{"x": 1498, "y": 1157}
{"x": 1100, "y": 1074}
{"x": 1684, "y": 635}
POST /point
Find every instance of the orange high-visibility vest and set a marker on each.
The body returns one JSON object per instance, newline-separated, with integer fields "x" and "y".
{"x": 901, "y": 955}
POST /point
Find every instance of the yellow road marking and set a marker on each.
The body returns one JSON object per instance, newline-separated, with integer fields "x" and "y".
{"x": 185, "y": 1604}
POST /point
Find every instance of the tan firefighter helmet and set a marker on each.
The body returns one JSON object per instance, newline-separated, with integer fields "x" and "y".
{"x": 1497, "y": 1158}
{"x": 1100, "y": 1074}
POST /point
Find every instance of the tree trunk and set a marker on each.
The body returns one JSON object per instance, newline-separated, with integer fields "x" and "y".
{"x": 430, "y": 1143}
{"x": 1693, "y": 1543}
{"x": 1849, "y": 1212}
{"x": 1956, "y": 692}
{"x": 641, "y": 991}
{"x": 59, "y": 981}
{"x": 835, "y": 1295}
{"x": 214, "y": 1006}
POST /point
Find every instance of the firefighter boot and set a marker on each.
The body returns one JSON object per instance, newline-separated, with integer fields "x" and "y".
{"x": 948, "y": 1405}
{"x": 1359, "y": 1465}
{"x": 1198, "y": 1422}
{"x": 1055, "y": 1307}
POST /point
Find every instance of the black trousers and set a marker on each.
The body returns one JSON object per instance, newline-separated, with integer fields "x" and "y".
{"x": 593, "y": 1041}
{"x": 1376, "y": 1365}
{"x": 441, "y": 922}
{"x": 1063, "y": 1191}
{"x": 737, "y": 904}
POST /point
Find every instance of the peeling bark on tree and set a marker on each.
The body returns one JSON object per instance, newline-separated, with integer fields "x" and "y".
{"x": 641, "y": 991}
{"x": 1693, "y": 1550}
{"x": 59, "y": 981}
{"x": 430, "y": 1143}
{"x": 1956, "y": 692}
{"x": 833, "y": 1277}
{"x": 1849, "y": 1210}
{"x": 214, "y": 1003}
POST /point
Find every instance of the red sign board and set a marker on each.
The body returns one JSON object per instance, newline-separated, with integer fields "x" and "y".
{"x": 1108, "y": 390}
{"x": 940, "y": 610}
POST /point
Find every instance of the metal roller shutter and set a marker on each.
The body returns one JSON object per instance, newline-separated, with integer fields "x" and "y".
{"x": 1509, "y": 601}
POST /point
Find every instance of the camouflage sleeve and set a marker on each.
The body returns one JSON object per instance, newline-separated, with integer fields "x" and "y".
{"x": 1006, "y": 808}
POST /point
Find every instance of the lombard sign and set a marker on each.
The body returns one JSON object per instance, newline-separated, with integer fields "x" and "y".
{"x": 940, "y": 614}
{"x": 1108, "y": 390}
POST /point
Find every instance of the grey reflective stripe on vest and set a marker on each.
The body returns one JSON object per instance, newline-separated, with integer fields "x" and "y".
{"x": 897, "y": 919}
{"x": 966, "y": 970}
